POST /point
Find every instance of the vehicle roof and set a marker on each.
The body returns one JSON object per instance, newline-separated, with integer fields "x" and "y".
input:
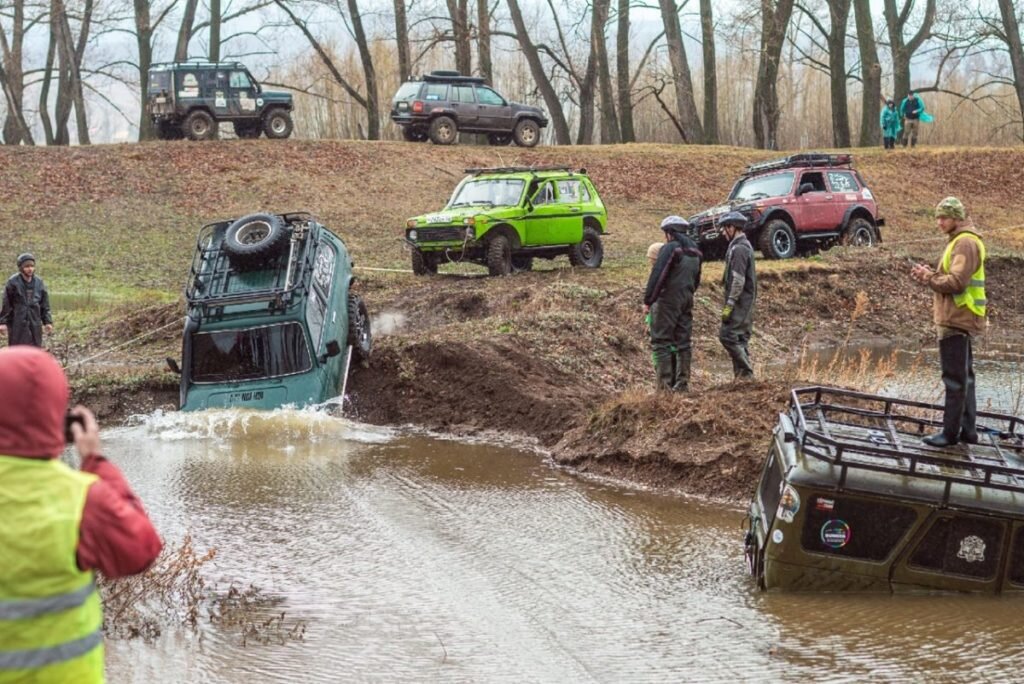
{"x": 811, "y": 160}
{"x": 838, "y": 439}
{"x": 196, "y": 64}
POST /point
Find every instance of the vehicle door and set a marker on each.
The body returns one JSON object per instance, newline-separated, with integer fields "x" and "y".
{"x": 241, "y": 95}
{"x": 542, "y": 220}
{"x": 815, "y": 204}
{"x": 954, "y": 551}
{"x": 187, "y": 87}
{"x": 495, "y": 112}
{"x": 465, "y": 106}
{"x": 846, "y": 191}
{"x": 570, "y": 198}
{"x": 322, "y": 318}
{"x": 1014, "y": 580}
{"x": 215, "y": 92}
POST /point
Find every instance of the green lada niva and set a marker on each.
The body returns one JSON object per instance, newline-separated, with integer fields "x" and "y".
{"x": 270, "y": 314}
{"x": 851, "y": 499}
{"x": 503, "y": 218}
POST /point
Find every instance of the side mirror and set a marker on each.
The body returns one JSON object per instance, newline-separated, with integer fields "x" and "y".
{"x": 529, "y": 205}
{"x": 805, "y": 188}
{"x": 332, "y": 350}
{"x": 173, "y": 366}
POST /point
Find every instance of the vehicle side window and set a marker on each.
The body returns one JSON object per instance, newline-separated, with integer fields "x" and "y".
{"x": 814, "y": 178}
{"x": 240, "y": 80}
{"x": 842, "y": 181}
{"x": 854, "y": 528}
{"x": 770, "y": 489}
{"x": 960, "y": 546}
{"x": 435, "y": 91}
{"x": 546, "y": 195}
{"x": 569, "y": 191}
{"x": 1017, "y": 560}
{"x": 488, "y": 96}
{"x": 463, "y": 94}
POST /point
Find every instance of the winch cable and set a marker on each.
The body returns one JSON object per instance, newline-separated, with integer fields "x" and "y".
{"x": 121, "y": 346}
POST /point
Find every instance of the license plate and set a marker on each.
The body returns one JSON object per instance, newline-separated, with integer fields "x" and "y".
{"x": 403, "y": 106}
{"x": 253, "y": 395}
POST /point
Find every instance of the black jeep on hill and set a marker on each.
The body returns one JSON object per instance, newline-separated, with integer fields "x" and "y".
{"x": 442, "y": 103}
{"x": 189, "y": 99}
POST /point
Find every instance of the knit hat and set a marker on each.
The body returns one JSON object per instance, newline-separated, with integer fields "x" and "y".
{"x": 674, "y": 220}
{"x": 951, "y": 207}
{"x": 652, "y": 251}
{"x": 25, "y": 257}
{"x": 733, "y": 218}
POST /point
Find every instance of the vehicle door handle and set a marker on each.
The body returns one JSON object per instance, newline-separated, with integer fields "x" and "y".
{"x": 828, "y": 196}
{"x": 574, "y": 208}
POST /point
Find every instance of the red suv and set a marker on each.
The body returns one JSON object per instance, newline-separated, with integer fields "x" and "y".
{"x": 797, "y": 205}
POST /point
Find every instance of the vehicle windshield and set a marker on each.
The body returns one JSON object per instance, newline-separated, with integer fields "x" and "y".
{"x": 159, "y": 81}
{"x": 774, "y": 185}
{"x": 495, "y": 192}
{"x": 253, "y": 354}
{"x": 408, "y": 90}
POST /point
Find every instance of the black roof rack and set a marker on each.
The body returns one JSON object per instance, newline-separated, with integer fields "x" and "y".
{"x": 804, "y": 159}
{"x": 860, "y": 431}
{"x": 452, "y": 76}
{"x": 520, "y": 169}
{"x": 199, "y": 62}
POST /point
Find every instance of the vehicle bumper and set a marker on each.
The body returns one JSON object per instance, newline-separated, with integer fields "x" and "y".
{"x": 407, "y": 120}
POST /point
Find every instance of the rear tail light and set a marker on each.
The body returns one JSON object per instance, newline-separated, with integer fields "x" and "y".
{"x": 417, "y": 107}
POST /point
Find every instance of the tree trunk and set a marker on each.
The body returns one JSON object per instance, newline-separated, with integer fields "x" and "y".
{"x": 12, "y": 77}
{"x": 459, "y": 12}
{"x": 707, "y": 32}
{"x": 902, "y": 50}
{"x": 585, "y": 134}
{"x": 144, "y": 42}
{"x": 1013, "y": 45}
{"x": 839, "y": 15}
{"x": 689, "y": 120}
{"x": 609, "y": 119}
{"x": 188, "y": 20}
{"x": 483, "y": 39}
{"x": 547, "y": 91}
{"x": 870, "y": 75}
{"x": 775, "y": 16}
{"x": 402, "y": 38}
{"x": 65, "y": 57}
{"x": 369, "y": 74}
{"x": 44, "y": 91}
{"x": 215, "y": 20}
{"x": 622, "y": 74}
{"x": 78, "y": 54}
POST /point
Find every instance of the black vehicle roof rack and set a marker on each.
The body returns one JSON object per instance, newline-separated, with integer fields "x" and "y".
{"x": 520, "y": 169}
{"x": 199, "y": 62}
{"x": 450, "y": 76}
{"x": 803, "y": 159}
{"x": 860, "y": 431}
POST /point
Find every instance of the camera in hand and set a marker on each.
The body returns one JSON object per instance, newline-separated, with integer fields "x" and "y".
{"x": 69, "y": 420}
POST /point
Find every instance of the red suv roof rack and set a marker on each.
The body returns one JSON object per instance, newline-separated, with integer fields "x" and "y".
{"x": 804, "y": 159}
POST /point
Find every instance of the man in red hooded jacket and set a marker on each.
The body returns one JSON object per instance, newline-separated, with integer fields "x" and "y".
{"x": 57, "y": 527}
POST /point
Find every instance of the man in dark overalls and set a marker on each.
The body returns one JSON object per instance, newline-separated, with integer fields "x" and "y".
{"x": 25, "y": 314}
{"x": 740, "y": 285}
{"x": 675, "y": 276}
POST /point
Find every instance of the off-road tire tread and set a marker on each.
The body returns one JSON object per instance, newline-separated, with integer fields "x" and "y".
{"x": 357, "y": 310}
{"x": 186, "y": 126}
{"x": 435, "y": 126}
{"x": 767, "y": 247}
{"x": 576, "y": 257}
{"x": 499, "y": 256}
{"x": 517, "y": 133}
{"x": 846, "y": 237}
{"x": 249, "y": 256}
{"x": 423, "y": 264}
{"x": 269, "y": 117}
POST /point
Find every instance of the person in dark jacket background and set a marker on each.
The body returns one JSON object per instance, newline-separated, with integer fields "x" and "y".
{"x": 740, "y": 284}
{"x": 675, "y": 276}
{"x": 25, "y": 313}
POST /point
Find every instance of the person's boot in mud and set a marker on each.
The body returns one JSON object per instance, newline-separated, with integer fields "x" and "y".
{"x": 668, "y": 299}
{"x": 739, "y": 282}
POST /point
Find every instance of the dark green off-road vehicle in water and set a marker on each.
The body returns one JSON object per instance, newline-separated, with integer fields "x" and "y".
{"x": 270, "y": 313}
{"x": 190, "y": 99}
{"x": 851, "y": 499}
{"x": 504, "y": 218}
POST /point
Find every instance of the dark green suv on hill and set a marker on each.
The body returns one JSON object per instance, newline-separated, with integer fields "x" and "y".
{"x": 189, "y": 99}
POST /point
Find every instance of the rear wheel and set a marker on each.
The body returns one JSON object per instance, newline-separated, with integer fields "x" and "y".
{"x": 247, "y": 129}
{"x": 526, "y": 133}
{"x": 198, "y": 125}
{"x": 499, "y": 256}
{"x": 521, "y": 264}
{"x": 499, "y": 139}
{"x": 589, "y": 253}
{"x": 860, "y": 233}
{"x": 414, "y": 134}
{"x": 277, "y": 123}
{"x": 777, "y": 240}
{"x": 443, "y": 131}
{"x": 423, "y": 263}
{"x": 360, "y": 336}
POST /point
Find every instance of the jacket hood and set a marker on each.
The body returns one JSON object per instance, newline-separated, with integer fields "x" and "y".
{"x": 36, "y": 394}
{"x": 684, "y": 239}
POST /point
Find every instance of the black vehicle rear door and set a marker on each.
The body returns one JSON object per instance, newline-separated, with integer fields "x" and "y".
{"x": 495, "y": 112}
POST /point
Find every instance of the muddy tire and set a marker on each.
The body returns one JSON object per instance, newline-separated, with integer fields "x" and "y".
{"x": 499, "y": 139}
{"x": 777, "y": 240}
{"x": 499, "y": 256}
{"x": 199, "y": 125}
{"x": 424, "y": 263}
{"x": 443, "y": 131}
{"x": 589, "y": 253}
{"x": 247, "y": 130}
{"x": 252, "y": 240}
{"x": 521, "y": 264}
{"x": 277, "y": 124}
{"x": 360, "y": 336}
{"x": 526, "y": 133}
{"x": 414, "y": 134}
{"x": 859, "y": 233}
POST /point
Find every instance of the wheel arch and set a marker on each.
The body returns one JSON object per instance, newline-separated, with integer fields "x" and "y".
{"x": 593, "y": 222}
{"x": 506, "y": 229}
{"x": 858, "y": 211}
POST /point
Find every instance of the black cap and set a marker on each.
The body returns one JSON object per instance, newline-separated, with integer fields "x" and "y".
{"x": 25, "y": 257}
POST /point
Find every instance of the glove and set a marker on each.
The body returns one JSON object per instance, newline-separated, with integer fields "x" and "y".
{"x": 647, "y": 319}
{"x": 726, "y": 313}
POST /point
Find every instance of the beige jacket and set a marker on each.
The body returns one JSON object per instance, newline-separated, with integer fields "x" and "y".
{"x": 965, "y": 260}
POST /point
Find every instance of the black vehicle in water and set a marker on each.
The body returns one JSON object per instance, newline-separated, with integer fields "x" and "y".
{"x": 443, "y": 103}
{"x": 189, "y": 99}
{"x": 851, "y": 499}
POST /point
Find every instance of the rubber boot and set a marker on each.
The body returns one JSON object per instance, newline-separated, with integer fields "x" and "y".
{"x": 664, "y": 367}
{"x": 953, "y": 353}
{"x": 682, "y": 377}
{"x": 969, "y": 425}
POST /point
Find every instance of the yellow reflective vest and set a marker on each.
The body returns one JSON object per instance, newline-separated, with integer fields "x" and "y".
{"x": 50, "y": 612}
{"x": 973, "y": 297}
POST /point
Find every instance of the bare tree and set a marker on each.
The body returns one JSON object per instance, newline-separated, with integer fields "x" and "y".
{"x": 775, "y": 16}
{"x": 901, "y": 49}
{"x": 625, "y": 100}
{"x": 1011, "y": 37}
{"x": 12, "y": 78}
{"x": 834, "y": 47}
{"x": 547, "y": 91}
{"x": 215, "y": 24}
{"x": 707, "y": 33}
{"x": 458, "y": 10}
{"x": 686, "y": 106}
{"x": 188, "y": 18}
{"x": 483, "y": 39}
{"x": 609, "y": 120}
{"x": 402, "y": 40}
{"x": 870, "y": 75}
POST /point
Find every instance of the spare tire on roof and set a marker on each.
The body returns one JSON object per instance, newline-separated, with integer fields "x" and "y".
{"x": 252, "y": 240}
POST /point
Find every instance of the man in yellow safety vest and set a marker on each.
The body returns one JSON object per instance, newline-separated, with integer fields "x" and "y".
{"x": 959, "y": 309}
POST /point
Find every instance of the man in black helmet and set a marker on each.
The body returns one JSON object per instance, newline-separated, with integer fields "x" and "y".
{"x": 25, "y": 314}
{"x": 740, "y": 284}
{"x": 675, "y": 276}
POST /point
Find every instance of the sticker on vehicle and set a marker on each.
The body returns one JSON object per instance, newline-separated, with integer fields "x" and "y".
{"x": 259, "y": 101}
{"x": 777, "y": 536}
{"x": 866, "y": 194}
{"x": 219, "y": 100}
{"x": 835, "y": 533}
{"x": 823, "y": 504}
{"x": 789, "y": 505}
{"x": 247, "y": 103}
{"x": 972, "y": 549}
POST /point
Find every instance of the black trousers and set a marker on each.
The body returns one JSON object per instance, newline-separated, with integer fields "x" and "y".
{"x": 889, "y": 143}
{"x": 961, "y": 408}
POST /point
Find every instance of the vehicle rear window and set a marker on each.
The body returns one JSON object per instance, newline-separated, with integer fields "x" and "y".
{"x": 159, "y": 81}
{"x": 771, "y": 488}
{"x": 435, "y": 91}
{"x": 255, "y": 353}
{"x": 854, "y": 528}
{"x": 408, "y": 90}
{"x": 960, "y": 546}
{"x": 842, "y": 181}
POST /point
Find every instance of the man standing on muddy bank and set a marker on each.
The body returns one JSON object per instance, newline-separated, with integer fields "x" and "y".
{"x": 25, "y": 312}
{"x": 958, "y": 309}
{"x": 675, "y": 277}
{"x": 739, "y": 282}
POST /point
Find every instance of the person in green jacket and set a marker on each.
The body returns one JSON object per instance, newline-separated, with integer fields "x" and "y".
{"x": 913, "y": 114}
{"x": 890, "y": 122}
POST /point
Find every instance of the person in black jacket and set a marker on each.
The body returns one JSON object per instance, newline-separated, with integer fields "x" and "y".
{"x": 740, "y": 284}
{"x": 25, "y": 313}
{"x": 668, "y": 300}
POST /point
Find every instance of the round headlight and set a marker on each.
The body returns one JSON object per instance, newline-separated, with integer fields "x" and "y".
{"x": 412, "y": 235}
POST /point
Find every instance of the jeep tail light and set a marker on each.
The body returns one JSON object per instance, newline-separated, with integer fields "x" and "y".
{"x": 417, "y": 107}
